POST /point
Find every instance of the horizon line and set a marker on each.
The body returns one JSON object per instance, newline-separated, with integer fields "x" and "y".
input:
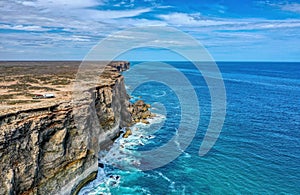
{"x": 68, "y": 60}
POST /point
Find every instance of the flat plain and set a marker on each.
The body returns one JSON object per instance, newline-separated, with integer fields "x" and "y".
{"x": 20, "y": 82}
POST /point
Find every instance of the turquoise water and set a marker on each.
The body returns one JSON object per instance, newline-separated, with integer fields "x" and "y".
{"x": 257, "y": 152}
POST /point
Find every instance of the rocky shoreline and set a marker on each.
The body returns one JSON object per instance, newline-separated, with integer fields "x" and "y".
{"x": 139, "y": 113}
{"x": 43, "y": 151}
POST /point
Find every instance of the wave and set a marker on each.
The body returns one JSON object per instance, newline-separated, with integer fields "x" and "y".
{"x": 160, "y": 95}
{"x": 171, "y": 183}
{"x": 122, "y": 154}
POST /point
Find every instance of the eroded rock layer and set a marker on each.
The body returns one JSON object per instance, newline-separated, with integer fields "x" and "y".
{"x": 48, "y": 150}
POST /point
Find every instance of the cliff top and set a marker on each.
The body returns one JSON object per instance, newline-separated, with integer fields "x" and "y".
{"x": 30, "y": 85}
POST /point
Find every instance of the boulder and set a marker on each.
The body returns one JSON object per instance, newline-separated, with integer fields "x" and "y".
{"x": 127, "y": 133}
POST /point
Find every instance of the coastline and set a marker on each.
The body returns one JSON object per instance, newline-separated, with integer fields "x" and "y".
{"x": 61, "y": 157}
{"x": 140, "y": 114}
{"x": 121, "y": 154}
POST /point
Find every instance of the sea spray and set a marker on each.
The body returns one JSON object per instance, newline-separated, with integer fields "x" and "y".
{"x": 123, "y": 154}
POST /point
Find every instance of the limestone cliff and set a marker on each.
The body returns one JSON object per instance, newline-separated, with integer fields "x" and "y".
{"x": 43, "y": 151}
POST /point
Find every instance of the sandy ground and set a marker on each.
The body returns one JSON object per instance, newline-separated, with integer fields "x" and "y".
{"x": 21, "y": 81}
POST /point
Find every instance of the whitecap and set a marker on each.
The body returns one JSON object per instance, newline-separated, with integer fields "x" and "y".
{"x": 160, "y": 95}
{"x": 163, "y": 176}
{"x": 122, "y": 153}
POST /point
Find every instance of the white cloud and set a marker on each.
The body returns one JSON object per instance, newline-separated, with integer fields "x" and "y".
{"x": 80, "y": 24}
{"x": 275, "y": 24}
{"x": 61, "y": 3}
{"x": 292, "y": 7}
{"x": 184, "y": 19}
{"x": 124, "y": 3}
{"x": 164, "y": 6}
{"x": 262, "y": 24}
{"x": 23, "y": 28}
{"x": 284, "y": 5}
{"x": 114, "y": 14}
{"x": 65, "y": 16}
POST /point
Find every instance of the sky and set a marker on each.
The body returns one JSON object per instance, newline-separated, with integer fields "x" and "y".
{"x": 230, "y": 30}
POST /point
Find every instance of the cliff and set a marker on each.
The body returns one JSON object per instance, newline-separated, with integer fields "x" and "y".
{"x": 50, "y": 148}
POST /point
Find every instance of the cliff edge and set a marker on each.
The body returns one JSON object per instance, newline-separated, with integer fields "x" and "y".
{"x": 48, "y": 149}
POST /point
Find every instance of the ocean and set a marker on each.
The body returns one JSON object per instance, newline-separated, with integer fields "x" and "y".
{"x": 257, "y": 151}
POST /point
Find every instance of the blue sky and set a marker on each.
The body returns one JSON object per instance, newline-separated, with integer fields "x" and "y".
{"x": 231, "y": 30}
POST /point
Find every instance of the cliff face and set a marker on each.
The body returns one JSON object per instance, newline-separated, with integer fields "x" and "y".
{"x": 43, "y": 151}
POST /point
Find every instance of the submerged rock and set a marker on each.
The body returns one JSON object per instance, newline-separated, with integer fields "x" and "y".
{"x": 145, "y": 121}
{"x": 101, "y": 165}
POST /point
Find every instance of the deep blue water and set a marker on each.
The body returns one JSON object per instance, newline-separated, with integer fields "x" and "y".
{"x": 257, "y": 152}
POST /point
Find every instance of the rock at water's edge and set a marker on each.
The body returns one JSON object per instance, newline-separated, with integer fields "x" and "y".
{"x": 127, "y": 133}
{"x": 43, "y": 151}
